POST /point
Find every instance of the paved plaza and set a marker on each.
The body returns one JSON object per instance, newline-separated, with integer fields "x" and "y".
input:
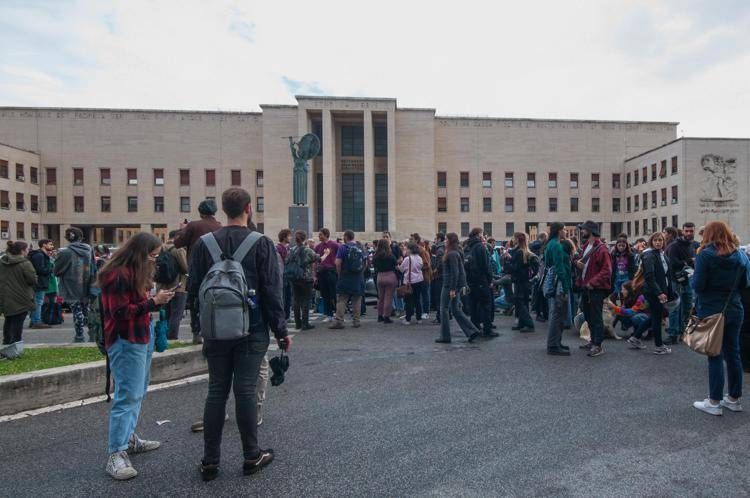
{"x": 384, "y": 411}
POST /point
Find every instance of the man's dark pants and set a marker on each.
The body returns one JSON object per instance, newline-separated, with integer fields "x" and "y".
{"x": 327, "y": 286}
{"x": 480, "y": 297}
{"x": 592, "y": 301}
{"x": 175, "y": 310}
{"x": 287, "y": 298}
{"x": 436, "y": 288}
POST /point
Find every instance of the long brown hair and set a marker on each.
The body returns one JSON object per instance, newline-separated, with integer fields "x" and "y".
{"x": 719, "y": 234}
{"x": 134, "y": 256}
{"x": 522, "y": 245}
{"x": 383, "y": 249}
{"x": 451, "y": 244}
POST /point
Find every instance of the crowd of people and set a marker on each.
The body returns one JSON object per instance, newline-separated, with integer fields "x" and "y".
{"x": 239, "y": 285}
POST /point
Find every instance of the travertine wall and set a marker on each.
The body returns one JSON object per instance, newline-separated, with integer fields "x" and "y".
{"x": 13, "y": 215}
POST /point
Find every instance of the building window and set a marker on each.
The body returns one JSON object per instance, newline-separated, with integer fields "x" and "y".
{"x": 20, "y": 202}
{"x": 34, "y": 231}
{"x": 636, "y": 200}
{"x": 552, "y": 180}
{"x": 674, "y": 166}
{"x": 574, "y": 204}
{"x": 574, "y": 180}
{"x": 184, "y": 177}
{"x": 442, "y": 227}
{"x": 442, "y": 179}
{"x": 653, "y": 171}
{"x": 530, "y": 180}
{"x": 106, "y": 204}
{"x": 19, "y": 173}
{"x": 653, "y": 198}
{"x": 531, "y": 204}
{"x": 132, "y": 176}
{"x": 464, "y": 204}
{"x": 442, "y": 204}
{"x": 259, "y": 178}
{"x": 51, "y": 204}
{"x": 645, "y": 200}
{"x": 674, "y": 221}
{"x": 487, "y": 204}
{"x": 594, "y": 180}
{"x": 630, "y": 228}
{"x": 381, "y": 202}
{"x": 3, "y": 168}
{"x": 627, "y": 205}
{"x": 184, "y": 204}
{"x": 654, "y": 225}
{"x": 663, "y": 169}
{"x": 663, "y": 222}
{"x": 158, "y": 204}
{"x": 487, "y": 227}
{"x": 380, "y": 138}
{"x": 644, "y": 174}
{"x": 78, "y": 176}
{"x": 635, "y": 177}
{"x": 615, "y": 204}
{"x": 352, "y": 141}
{"x": 34, "y": 176}
{"x": 259, "y": 204}
{"x": 132, "y": 204}
{"x": 645, "y": 226}
{"x": 236, "y": 177}
{"x": 637, "y": 230}
{"x": 464, "y": 229}
{"x": 509, "y": 204}
{"x": 674, "y": 194}
{"x": 34, "y": 204}
{"x": 627, "y": 180}
{"x": 553, "y": 204}
{"x": 78, "y": 203}
{"x": 51, "y": 176}
{"x": 4, "y": 228}
{"x": 664, "y": 196}
{"x": 510, "y": 229}
{"x": 464, "y": 177}
{"x": 594, "y": 204}
{"x": 509, "y": 180}
{"x": 210, "y": 177}
{"x": 20, "y": 230}
{"x": 104, "y": 177}
{"x": 615, "y": 180}
{"x": 4, "y": 199}
{"x": 487, "y": 179}
{"x": 159, "y": 176}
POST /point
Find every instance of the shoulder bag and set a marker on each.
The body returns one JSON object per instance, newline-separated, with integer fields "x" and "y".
{"x": 405, "y": 289}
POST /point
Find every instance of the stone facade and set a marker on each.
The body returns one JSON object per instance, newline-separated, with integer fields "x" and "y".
{"x": 20, "y": 195}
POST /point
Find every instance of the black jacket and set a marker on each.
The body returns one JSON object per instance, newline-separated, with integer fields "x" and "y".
{"x": 438, "y": 251}
{"x": 519, "y": 271}
{"x": 656, "y": 280}
{"x": 681, "y": 252}
{"x": 43, "y": 269}
{"x": 478, "y": 263}
{"x": 454, "y": 276}
{"x": 262, "y": 273}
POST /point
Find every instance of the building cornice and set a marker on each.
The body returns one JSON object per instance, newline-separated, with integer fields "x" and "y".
{"x": 112, "y": 109}
{"x": 541, "y": 120}
{"x": 18, "y": 148}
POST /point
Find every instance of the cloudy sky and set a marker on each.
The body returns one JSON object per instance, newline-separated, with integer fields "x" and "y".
{"x": 673, "y": 60}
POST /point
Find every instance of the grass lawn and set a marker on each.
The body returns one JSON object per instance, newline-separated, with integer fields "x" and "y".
{"x": 40, "y": 358}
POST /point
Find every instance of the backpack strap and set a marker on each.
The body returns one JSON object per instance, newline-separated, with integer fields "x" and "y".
{"x": 213, "y": 247}
{"x": 246, "y": 245}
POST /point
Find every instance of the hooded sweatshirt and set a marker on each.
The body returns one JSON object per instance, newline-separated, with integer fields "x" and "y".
{"x": 715, "y": 278}
{"x": 18, "y": 281}
{"x": 76, "y": 269}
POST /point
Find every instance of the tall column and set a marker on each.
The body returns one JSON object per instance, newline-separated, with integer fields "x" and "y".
{"x": 391, "y": 123}
{"x": 329, "y": 173}
{"x": 369, "y": 173}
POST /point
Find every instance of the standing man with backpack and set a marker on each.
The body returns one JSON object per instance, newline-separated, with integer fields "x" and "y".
{"x": 171, "y": 274}
{"x": 76, "y": 270}
{"x": 480, "y": 283}
{"x": 298, "y": 271}
{"x": 350, "y": 266}
{"x": 238, "y": 269}
{"x": 41, "y": 260}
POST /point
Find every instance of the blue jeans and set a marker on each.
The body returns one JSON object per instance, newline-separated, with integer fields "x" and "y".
{"x": 638, "y": 321}
{"x": 730, "y": 353}
{"x": 36, "y": 315}
{"x": 678, "y": 318}
{"x": 131, "y": 366}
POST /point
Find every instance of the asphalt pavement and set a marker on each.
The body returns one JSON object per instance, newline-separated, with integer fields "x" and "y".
{"x": 384, "y": 411}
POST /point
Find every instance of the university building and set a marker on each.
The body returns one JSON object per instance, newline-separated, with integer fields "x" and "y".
{"x": 114, "y": 172}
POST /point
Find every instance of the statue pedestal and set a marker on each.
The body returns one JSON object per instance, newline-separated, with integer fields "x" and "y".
{"x": 299, "y": 219}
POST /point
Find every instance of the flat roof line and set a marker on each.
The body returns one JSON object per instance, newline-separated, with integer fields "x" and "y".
{"x": 556, "y": 120}
{"x": 336, "y": 97}
{"x": 112, "y": 109}
{"x": 687, "y": 139}
{"x": 19, "y": 148}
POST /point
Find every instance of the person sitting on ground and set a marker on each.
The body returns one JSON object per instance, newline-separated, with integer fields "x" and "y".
{"x": 632, "y": 308}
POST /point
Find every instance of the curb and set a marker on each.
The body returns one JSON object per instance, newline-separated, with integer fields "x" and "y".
{"x": 31, "y": 390}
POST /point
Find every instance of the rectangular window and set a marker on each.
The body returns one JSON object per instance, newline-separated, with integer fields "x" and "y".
{"x": 4, "y": 228}
{"x": 51, "y": 176}
{"x": 104, "y": 176}
{"x": 644, "y": 203}
{"x": 509, "y": 180}
{"x": 487, "y": 204}
{"x": 594, "y": 180}
{"x": 653, "y": 172}
{"x": 442, "y": 179}
{"x": 20, "y": 230}
{"x": 644, "y": 174}
{"x": 158, "y": 204}
{"x": 630, "y": 228}
{"x": 442, "y": 227}
{"x": 184, "y": 177}
{"x": 106, "y": 204}
{"x": 574, "y": 180}
{"x": 530, "y": 180}
{"x": 653, "y": 198}
{"x": 259, "y": 178}
{"x": 35, "y": 231}
{"x": 615, "y": 204}
{"x": 674, "y": 194}
{"x": 20, "y": 202}
{"x": 464, "y": 204}
{"x": 663, "y": 169}
{"x": 552, "y": 180}
{"x": 380, "y": 138}
{"x": 210, "y": 177}
{"x": 637, "y": 230}
{"x": 663, "y": 222}
{"x": 260, "y": 204}
{"x": 78, "y": 203}
{"x": 615, "y": 180}
{"x": 34, "y": 204}
{"x": 184, "y": 204}
{"x": 464, "y": 176}
{"x": 442, "y": 204}
{"x": 531, "y": 204}
{"x": 4, "y": 199}
{"x": 510, "y": 229}
{"x": 236, "y": 177}
{"x": 132, "y": 204}
{"x": 352, "y": 141}
{"x": 78, "y": 176}
{"x": 3, "y": 168}
{"x": 654, "y": 225}
{"x": 34, "y": 175}
{"x": 574, "y": 204}
{"x": 51, "y": 204}
{"x": 674, "y": 220}
{"x": 19, "y": 173}
{"x": 487, "y": 227}
{"x": 627, "y": 180}
{"x": 381, "y": 202}
{"x": 664, "y": 196}
{"x": 132, "y": 176}
{"x": 636, "y": 200}
{"x": 487, "y": 179}
{"x": 627, "y": 205}
{"x": 645, "y": 226}
{"x": 464, "y": 229}
{"x": 594, "y": 204}
{"x": 553, "y": 204}
{"x": 509, "y": 204}
{"x": 159, "y": 176}
{"x": 674, "y": 166}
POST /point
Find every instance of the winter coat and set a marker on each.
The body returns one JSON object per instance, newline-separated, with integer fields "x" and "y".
{"x": 598, "y": 273}
{"x": 188, "y": 236}
{"x": 41, "y": 263}
{"x": 18, "y": 279}
{"x": 76, "y": 272}
{"x": 454, "y": 275}
{"x": 478, "y": 263}
{"x": 558, "y": 261}
{"x": 681, "y": 252}
{"x": 180, "y": 256}
{"x": 438, "y": 251}
{"x": 714, "y": 280}
{"x": 519, "y": 271}
{"x": 656, "y": 280}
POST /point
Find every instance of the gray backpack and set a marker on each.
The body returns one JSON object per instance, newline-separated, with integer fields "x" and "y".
{"x": 224, "y": 298}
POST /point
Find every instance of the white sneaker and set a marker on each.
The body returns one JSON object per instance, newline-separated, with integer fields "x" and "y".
{"x": 635, "y": 343}
{"x": 327, "y": 319}
{"x": 733, "y": 406}
{"x": 425, "y": 316}
{"x": 662, "y": 350}
{"x": 404, "y": 321}
{"x": 119, "y": 466}
{"x": 138, "y": 445}
{"x": 706, "y": 406}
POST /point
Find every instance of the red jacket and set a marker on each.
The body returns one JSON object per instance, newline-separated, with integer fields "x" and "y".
{"x": 126, "y": 313}
{"x": 599, "y": 271}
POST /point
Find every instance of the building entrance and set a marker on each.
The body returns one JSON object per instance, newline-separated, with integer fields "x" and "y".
{"x": 353, "y": 202}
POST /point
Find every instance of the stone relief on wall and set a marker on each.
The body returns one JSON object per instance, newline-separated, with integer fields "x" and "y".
{"x": 720, "y": 176}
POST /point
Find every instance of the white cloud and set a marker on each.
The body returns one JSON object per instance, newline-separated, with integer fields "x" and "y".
{"x": 619, "y": 59}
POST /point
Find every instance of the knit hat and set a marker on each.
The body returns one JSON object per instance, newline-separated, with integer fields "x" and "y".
{"x": 207, "y": 207}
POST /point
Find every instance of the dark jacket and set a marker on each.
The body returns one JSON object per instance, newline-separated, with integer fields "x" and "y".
{"x": 76, "y": 271}
{"x": 43, "y": 268}
{"x": 478, "y": 263}
{"x": 349, "y": 283}
{"x": 519, "y": 271}
{"x": 599, "y": 270}
{"x": 656, "y": 280}
{"x": 714, "y": 279}
{"x": 631, "y": 269}
{"x": 188, "y": 236}
{"x": 454, "y": 275}
{"x": 17, "y": 289}
{"x": 438, "y": 251}
{"x": 262, "y": 273}
{"x": 681, "y": 252}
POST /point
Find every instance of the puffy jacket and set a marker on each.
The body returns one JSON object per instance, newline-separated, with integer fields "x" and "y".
{"x": 18, "y": 281}
{"x": 714, "y": 280}
{"x": 598, "y": 273}
{"x": 43, "y": 269}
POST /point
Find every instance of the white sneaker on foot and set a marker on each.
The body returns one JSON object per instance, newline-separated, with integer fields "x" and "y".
{"x": 708, "y": 407}
{"x": 662, "y": 350}
{"x": 404, "y": 321}
{"x": 138, "y": 445}
{"x": 733, "y": 406}
{"x": 327, "y": 319}
{"x": 425, "y": 316}
{"x": 119, "y": 466}
{"x": 635, "y": 343}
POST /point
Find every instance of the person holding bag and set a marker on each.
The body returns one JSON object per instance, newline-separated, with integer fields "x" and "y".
{"x": 454, "y": 284}
{"x": 411, "y": 266}
{"x": 721, "y": 269}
